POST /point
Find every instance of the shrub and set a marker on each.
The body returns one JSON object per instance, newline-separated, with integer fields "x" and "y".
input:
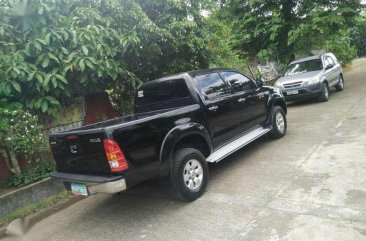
{"x": 20, "y": 134}
{"x": 35, "y": 174}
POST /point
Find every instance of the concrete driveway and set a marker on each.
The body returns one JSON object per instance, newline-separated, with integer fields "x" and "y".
{"x": 310, "y": 185}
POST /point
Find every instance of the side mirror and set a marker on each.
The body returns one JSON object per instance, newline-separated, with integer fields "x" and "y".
{"x": 329, "y": 66}
{"x": 259, "y": 82}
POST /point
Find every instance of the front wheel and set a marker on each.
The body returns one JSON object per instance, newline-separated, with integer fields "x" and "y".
{"x": 324, "y": 95}
{"x": 189, "y": 174}
{"x": 279, "y": 123}
{"x": 340, "y": 85}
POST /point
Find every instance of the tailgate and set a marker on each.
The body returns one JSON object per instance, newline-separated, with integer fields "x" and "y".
{"x": 80, "y": 152}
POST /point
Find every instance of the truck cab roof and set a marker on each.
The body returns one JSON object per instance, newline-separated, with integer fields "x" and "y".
{"x": 184, "y": 75}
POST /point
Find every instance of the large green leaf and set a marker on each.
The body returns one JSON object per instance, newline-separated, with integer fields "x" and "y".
{"x": 45, "y": 61}
{"x": 61, "y": 78}
{"x": 16, "y": 86}
{"x": 82, "y": 65}
{"x": 47, "y": 79}
{"x": 85, "y": 50}
{"x": 44, "y": 106}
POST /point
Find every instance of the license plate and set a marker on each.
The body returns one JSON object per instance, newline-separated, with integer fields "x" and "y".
{"x": 79, "y": 189}
{"x": 292, "y": 92}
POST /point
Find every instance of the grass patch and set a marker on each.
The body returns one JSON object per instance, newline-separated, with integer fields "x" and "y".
{"x": 35, "y": 207}
{"x": 352, "y": 118}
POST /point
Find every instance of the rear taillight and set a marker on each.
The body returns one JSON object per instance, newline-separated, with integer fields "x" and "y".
{"x": 115, "y": 156}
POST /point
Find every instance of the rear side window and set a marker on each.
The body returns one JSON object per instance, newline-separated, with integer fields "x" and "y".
{"x": 238, "y": 81}
{"x": 212, "y": 85}
{"x": 164, "y": 91}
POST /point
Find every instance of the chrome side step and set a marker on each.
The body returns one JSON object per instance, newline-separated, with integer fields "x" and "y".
{"x": 235, "y": 145}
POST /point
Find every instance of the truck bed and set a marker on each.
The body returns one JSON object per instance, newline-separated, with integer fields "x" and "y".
{"x": 81, "y": 150}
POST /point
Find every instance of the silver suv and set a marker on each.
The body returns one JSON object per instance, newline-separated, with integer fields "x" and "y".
{"x": 311, "y": 77}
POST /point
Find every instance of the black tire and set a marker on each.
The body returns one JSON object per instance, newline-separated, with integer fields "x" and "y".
{"x": 324, "y": 95}
{"x": 178, "y": 186}
{"x": 278, "y": 130}
{"x": 340, "y": 85}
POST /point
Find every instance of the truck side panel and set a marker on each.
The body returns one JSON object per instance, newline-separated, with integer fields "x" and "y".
{"x": 142, "y": 143}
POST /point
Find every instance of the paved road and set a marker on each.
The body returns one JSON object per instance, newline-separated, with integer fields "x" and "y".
{"x": 310, "y": 185}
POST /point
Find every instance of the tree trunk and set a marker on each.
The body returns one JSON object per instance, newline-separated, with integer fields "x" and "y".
{"x": 5, "y": 155}
{"x": 14, "y": 163}
{"x": 286, "y": 50}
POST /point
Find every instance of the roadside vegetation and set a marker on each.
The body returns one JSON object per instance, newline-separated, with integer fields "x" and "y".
{"x": 52, "y": 51}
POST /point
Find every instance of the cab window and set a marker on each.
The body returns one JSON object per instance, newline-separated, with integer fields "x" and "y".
{"x": 211, "y": 85}
{"x": 238, "y": 81}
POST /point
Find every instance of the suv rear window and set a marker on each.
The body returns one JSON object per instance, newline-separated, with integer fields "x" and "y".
{"x": 163, "y": 93}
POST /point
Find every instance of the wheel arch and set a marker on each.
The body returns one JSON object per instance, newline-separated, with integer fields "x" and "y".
{"x": 281, "y": 103}
{"x": 325, "y": 81}
{"x": 191, "y": 135}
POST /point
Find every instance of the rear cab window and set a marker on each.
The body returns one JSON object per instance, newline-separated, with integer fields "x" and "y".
{"x": 212, "y": 85}
{"x": 162, "y": 95}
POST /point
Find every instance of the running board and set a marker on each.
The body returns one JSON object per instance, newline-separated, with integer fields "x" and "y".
{"x": 235, "y": 145}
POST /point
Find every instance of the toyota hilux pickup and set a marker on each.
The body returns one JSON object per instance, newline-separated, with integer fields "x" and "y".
{"x": 181, "y": 123}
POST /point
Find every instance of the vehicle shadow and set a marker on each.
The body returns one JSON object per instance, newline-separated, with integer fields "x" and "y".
{"x": 149, "y": 204}
{"x": 156, "y": 188}
{"x": 301, "y": 103}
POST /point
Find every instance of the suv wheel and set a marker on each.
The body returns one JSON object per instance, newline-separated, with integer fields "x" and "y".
{"x": 324, "y": 95}
{"x": 189, "y": 174}
{"x": 340, "y": 85}
{"x": 279, "y": 123}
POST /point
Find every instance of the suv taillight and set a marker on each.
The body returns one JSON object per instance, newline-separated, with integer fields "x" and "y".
{"x": 115, "y": 156}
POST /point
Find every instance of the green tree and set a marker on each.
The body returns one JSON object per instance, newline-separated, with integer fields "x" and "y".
{"x": 358, "y": 35}
{"x": 220, "y": 43}
{"x": 51, "y": 50}
{"x": 287, "y": 25}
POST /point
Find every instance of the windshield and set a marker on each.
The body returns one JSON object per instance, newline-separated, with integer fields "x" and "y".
{"x": 303, "y": 67}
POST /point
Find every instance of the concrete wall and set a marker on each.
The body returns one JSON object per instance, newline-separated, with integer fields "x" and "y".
{"x": 27, "y": 195}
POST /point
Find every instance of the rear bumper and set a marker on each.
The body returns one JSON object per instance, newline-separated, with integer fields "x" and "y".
{"x": 94, "y": 184}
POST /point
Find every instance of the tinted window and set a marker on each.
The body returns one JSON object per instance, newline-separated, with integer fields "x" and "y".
{"x": 211, "y": 85}
{"x": 238, "y": 82}
{"x": 303, "y": 67}
{"x": 151, "y": 93}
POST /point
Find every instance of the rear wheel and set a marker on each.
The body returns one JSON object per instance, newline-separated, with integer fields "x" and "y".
{"x": 324, "y": 95}
{"x": 279, "y": 122}
{"x": 340, "y": 85}
{"x": 189, "y": 174}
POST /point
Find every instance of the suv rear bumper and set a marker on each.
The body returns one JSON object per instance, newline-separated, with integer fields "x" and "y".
{"x": 94, "y": 184}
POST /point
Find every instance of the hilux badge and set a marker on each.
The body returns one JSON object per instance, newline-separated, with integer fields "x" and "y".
{"x": 94, "y": 140}
{"x": 74, "y": 149}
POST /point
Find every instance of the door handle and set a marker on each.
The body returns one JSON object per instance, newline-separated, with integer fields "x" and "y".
{"x": 241, "y": 100}
{"x": 213, "y": 108}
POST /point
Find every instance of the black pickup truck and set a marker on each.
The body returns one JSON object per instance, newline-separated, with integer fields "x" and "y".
{"x": 181, "y": 123}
